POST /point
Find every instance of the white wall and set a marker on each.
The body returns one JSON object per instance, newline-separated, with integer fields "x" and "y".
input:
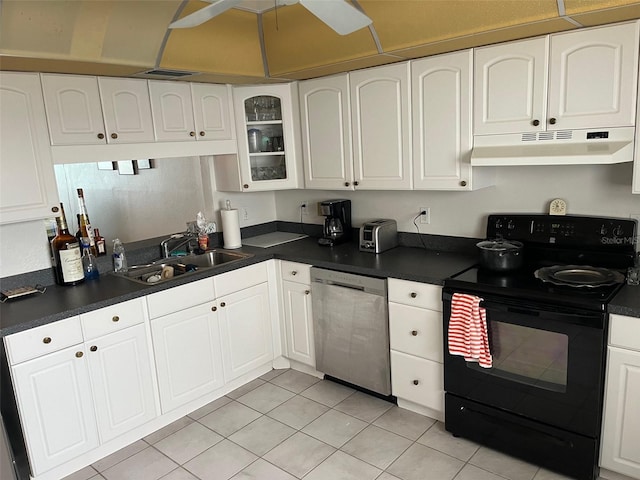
{"x": 588, "y": 189}
{"x": 161, "y": 200}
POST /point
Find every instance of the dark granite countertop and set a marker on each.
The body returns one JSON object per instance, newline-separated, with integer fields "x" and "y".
{"x": 626, "y": 302}
{"x": 407, "y": 263}
{"x": 58, "y": 302}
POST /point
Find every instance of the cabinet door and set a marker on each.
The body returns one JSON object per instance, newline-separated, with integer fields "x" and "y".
{"x": 245, "y": 329}
{"x": 73, "y": 108}
{"x": 121, "y": 377}
{"x": 172, "y": 111}
{"x": 267, "y": 123}
{"x": 381, "y": 124}
{"x": 510, "y": 87}
{"x": 621, "y": 426}
{"x": 126, "y": 109}
{"x": 298, "y": 322}
{"x": 27, "y": 181}
{"x": 187, "y": 352}
{"x": 56, "y": 408}
{"x": 441, "y": 99}
{"x": 582, "y": 95}
{"x": 326, "y": 133}
{"x": 212, "y": 112}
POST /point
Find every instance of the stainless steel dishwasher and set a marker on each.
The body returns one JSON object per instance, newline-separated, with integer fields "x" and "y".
{"x": 351, "y": 328}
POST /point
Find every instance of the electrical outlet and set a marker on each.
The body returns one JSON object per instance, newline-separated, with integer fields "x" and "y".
{"x": 245, "y": 213}
{"x": 425, "y": 217}
{"x": 304, "y": 207}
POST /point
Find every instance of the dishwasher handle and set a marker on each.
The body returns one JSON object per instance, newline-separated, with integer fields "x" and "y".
{"x": 344, "y": 285}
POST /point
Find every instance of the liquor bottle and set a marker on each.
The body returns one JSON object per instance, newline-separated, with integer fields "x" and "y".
{"x": 86, "y": 232}
{"x": 66, "y": 254}
{"x": 101, "y": 244}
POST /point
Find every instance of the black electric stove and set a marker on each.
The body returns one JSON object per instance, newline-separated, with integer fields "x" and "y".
{"x": 541, "y": 398}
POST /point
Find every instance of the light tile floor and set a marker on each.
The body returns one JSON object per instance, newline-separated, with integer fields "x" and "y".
{"x": 287, "y": 425}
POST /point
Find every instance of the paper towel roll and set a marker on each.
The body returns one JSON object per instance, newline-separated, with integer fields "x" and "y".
{"x": 231, "y": 228}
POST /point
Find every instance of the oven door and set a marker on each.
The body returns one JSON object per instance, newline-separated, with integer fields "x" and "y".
{"x": 548, "y": 363}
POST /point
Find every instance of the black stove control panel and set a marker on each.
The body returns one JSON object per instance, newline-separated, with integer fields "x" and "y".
{"x": 600, "y": 233}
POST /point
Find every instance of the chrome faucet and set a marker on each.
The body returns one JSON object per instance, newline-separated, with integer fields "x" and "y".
{"x": 182, "y": 239}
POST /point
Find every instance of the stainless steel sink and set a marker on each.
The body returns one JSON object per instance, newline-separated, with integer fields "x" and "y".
{"x": 152, "y": 273}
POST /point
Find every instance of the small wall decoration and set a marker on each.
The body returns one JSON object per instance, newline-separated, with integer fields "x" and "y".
{"x": 144, "y": 164}
{"x": 106, "y": 165}
{"x": 126, "y": 167}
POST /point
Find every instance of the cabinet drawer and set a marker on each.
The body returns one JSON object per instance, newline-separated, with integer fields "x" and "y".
{"x": 112, "y": 318}
{"x": 179, "y": 298}
{"x": 296, "y": 272}
{"x": 416, "y": 294}
{"x": 417, "y": 380}
{"x": 39, "y": 341}
{"x": 240, "y": 279}
{"x": 416, "y": 331}
{"x": 624, "y": 332}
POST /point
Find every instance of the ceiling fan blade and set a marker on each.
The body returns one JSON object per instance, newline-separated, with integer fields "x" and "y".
{"x": 341, "y": 16}
{"x": 204, "y": 14}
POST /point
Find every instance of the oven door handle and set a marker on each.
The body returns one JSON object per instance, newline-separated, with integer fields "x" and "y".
{"x": 536, "y": 311}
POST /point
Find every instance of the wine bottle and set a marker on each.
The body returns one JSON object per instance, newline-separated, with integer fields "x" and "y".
{"x": 101, "y": 244}
{"x": 66, "y": 254}
{"x": 86, "y": 232}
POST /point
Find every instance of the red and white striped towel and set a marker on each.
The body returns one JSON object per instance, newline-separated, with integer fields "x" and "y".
{"x": 468, "y": 330}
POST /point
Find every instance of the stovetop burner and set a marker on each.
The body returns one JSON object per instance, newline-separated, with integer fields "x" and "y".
{"x": 580, "y": 260}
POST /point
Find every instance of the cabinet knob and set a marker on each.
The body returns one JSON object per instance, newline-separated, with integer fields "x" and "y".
{"x": 115, "y": 318}
{"x": 202, "y": 133}
{"x": 79, "y": 354}
{"x": 46, "y": 340}
{"x": 93, "y": 348}
{"x": 55, "y": 209}
{"x": 346, "y": 184}
{"x": 552, "y": 121}
{"x": 356, "y": 183}
{"x": 416, "y": 382}
{"x": 222, "y": 304}
{"x": 414, "y": 333}
{"x": 535, "y": 123}
{"x": 214, "y": 309}
{"x": 463, "y": 183}
{"x": 245, "y": 186}
{"x": 192, "y": 134}
{"x": 101, "y": 136}
{"x": 307, "y": 292}
{"x": 114, "y": 135}
{"x": 413, "y": 294}
{"x": 293, "y": 272}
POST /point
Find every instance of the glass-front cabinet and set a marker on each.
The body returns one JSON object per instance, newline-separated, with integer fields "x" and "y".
{"x": 269, "y": 153}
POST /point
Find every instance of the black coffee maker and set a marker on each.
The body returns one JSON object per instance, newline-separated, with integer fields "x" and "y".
{"x": 337, "y": 222}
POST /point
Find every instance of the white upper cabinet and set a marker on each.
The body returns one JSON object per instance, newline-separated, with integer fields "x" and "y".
{"x": 510, "y": 87}
{"x": 441, "y": 100}
{"x": 326, "y": 133}
{"x": 381, "y": 124}
{"x": 27, "y": 181}
{"x": 212, "y": 111}
{"x": 571, "y": 80}
{"x": 172, "y": 111}
{"x": 73, "y": 108}
{"x": 636, "y": 161}
{"x": 126, "y": 109}
{"x": 188, "y": 112}
{"x": 269, "y": 154}
{"x": 592, "y": 78}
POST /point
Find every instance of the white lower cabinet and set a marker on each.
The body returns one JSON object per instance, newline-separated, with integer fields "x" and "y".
{"x": 415, "y": 338}
{"x": 298, "y": 319}
{"x": 245, "y": 330}
{"x": 56, "y": 407}
{"x": 187, "y": 352}
{"x": 122, "y": 380}
{"x": 621, "y": 425}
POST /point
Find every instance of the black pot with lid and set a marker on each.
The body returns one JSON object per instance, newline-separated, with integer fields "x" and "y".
{"x": 501, "y": 255}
